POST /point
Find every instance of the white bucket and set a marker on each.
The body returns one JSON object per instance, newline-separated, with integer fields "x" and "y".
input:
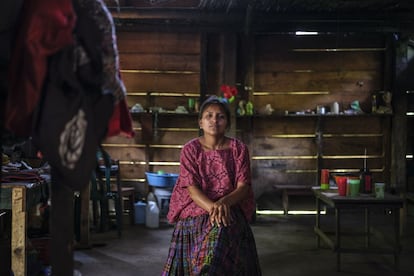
{"x": 163, "y": 196}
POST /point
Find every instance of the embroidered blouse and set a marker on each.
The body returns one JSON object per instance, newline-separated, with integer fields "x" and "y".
{"x": 215, "y": 172}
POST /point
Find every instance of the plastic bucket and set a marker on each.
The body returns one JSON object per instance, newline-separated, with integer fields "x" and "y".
{"x": 161, "y": 180}
{"x": 163, "y": 199}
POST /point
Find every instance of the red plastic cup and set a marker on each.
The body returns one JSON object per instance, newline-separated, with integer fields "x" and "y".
{"x": 341, "y": 183}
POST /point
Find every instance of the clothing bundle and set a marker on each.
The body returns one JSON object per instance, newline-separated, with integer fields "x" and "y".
{"x": 65, "y": 88}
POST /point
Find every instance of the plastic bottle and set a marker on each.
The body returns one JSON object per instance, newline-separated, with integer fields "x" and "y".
{"x": 152, "y": 212}
{"x": 374, "y": 104}
{"x": 365, "y": 181}
{"x": 335, "y": 108}
{"x": 249, "y": 108}
{"x": 365, "y": 177}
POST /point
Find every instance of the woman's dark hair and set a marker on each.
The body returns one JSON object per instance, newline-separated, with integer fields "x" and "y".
{"x": 218, "y": 101}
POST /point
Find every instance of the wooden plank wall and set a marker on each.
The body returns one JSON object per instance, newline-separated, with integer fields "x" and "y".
{"x": 159, "y": 70}
{"x": 290, "y": 73}
{"x": 283, "y": 151}
{"x": 297, "y": 73}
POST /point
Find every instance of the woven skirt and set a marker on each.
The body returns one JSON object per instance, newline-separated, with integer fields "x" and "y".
{"x": 197, "y": 248}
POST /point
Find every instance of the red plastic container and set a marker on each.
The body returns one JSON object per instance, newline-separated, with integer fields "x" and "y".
{"x": 324, "y": 179}
{"x": 341, "y": 182}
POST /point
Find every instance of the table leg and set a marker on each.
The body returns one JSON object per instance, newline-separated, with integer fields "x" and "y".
{"x": 317, "y": 223}
{"x": 367, "y": 230}
{"x": 397, "y": 245}
{"x": 338, "y": 238}
{"x": 18, "y": 242}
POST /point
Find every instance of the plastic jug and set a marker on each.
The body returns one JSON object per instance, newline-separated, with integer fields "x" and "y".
{"x": 152, "y": 213}
{"x": 140, "y": 210}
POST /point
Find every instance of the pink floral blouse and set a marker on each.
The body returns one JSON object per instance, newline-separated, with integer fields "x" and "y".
{"x": 215, "y": 172}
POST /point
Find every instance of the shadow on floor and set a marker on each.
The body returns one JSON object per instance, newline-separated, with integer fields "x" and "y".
{"x": 286, "y": 246}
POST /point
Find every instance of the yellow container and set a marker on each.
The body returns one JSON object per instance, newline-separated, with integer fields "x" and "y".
{"x": 324, "y": 186}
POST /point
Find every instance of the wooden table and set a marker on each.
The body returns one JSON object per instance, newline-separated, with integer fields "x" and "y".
{"x": 365, "y": 203}
{"x": 19, "y": 198}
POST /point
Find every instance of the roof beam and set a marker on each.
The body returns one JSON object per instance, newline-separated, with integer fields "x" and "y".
{"x": 251, "y": 20}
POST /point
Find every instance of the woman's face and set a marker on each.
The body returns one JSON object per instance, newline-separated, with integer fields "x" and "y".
{"x": 213, "y": 120}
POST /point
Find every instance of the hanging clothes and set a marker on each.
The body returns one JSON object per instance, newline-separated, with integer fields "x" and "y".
{"x": 80, "y": 92}
{"x": 120, "y": 122}
{"x": 46, "y": 27}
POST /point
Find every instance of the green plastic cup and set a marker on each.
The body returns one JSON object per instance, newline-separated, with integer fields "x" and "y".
{"x": 379, "y": 190}
{"x": 353, "y": 187}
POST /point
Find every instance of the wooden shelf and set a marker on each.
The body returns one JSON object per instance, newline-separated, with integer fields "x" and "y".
{"x": 317, "y": 115}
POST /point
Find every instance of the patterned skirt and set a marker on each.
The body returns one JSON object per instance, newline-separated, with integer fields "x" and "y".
{"x": 197, "y": 248}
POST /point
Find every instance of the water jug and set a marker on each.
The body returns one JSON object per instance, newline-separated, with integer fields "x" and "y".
{"x": 140, "y": 209}
{"x": 152, "y": 213}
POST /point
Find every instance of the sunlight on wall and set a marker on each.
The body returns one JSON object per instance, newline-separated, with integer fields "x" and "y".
{"x": 293, "y": 212}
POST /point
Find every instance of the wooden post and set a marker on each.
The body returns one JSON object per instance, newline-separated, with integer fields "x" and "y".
{"x": 247, "y": 75}
{"x": 203, "y": 66}
{"x": 403, "y": 83}
{"x": 18, "y": 242}
{"x": 319, "y": 143}
{"x": 228, "y": 69}
{"x": 399, "y": 122}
